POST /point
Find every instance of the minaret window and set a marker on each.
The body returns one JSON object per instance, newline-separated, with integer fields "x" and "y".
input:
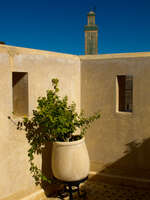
{"x": 91, "y": 20}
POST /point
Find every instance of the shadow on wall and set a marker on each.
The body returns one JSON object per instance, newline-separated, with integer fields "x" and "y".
{"x": 49, "y": 189}
{"x": 128, "y": 170}
{"x": 132, "y": 168}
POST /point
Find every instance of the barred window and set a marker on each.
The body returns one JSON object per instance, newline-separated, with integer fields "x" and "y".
{"x": 125, "y": 93}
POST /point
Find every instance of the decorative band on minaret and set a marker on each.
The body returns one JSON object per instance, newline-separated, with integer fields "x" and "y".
{"x": 91, "y": 35}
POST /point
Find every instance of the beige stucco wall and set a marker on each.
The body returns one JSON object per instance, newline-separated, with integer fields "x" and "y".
{"x": 118, "y": 143}
{"x": 41, "y": 66}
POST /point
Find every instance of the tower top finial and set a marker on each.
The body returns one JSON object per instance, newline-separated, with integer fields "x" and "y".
{"x": 91, "y": 13}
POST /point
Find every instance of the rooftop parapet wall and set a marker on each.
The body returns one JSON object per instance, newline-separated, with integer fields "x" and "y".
{"x": 41, "y": 67}
{"x": 119, "y": 142}
{"x": 115, "y": 56}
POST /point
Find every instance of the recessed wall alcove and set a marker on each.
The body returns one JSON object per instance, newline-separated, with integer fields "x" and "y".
{"x": 20, "y": 93}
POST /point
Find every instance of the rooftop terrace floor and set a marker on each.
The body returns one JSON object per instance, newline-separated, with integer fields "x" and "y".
{"x": 103, "y": 191}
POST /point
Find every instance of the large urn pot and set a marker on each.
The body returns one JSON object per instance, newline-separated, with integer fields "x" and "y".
{"x": 70, "y": 160}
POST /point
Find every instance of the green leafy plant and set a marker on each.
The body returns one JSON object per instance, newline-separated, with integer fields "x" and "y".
{"x": 52, "y": 120}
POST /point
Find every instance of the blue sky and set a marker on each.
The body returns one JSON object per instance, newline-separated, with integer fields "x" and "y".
{"x": 58, "y": 25}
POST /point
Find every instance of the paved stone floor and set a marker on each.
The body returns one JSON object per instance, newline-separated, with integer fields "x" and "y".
{"x": 103, "y": 191}
{"x": 113, "y": 192}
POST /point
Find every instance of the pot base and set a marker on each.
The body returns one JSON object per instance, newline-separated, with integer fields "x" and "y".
{"x": 71, "y": 187}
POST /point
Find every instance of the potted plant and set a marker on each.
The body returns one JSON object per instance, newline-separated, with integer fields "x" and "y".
{"x": 55, "y": 121}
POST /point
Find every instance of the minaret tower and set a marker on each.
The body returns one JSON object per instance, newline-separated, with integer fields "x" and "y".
{"x": 91, "y": 35}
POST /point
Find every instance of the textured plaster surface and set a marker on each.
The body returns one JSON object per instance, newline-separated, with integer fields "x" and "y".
{"x": 118, "y": 143}
{"x": 41, "y": 67}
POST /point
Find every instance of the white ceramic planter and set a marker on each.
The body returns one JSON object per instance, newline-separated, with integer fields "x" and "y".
{"x": 70, "y": 160}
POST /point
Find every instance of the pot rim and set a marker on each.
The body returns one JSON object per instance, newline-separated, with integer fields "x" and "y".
{"x": 70, "y": 143}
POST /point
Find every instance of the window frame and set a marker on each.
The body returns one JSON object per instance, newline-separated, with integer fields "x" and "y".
{"x": 124, "y": 93}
